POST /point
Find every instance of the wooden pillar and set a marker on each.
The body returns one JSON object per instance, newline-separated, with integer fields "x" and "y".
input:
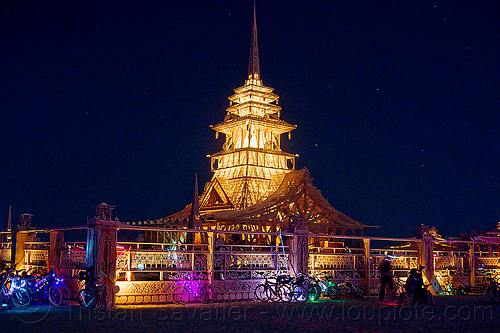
{"x": 274, "y": 238}
{"x": 299, "y": 252}
{"x": 366, "y": 246}
{"x": 18, "y": 241}
{"x": 56, "y": 246}
{"x": 426, "y": 256}
{"x": 472, "y": 264}
{"x": 420, "y": 253}
{"x": 128, "y": 274}
{"x": 13, "y": 243}
{"x": 101, "y": 257}
{"x": 429, "y": 257}
{"x": 210, "y": 257}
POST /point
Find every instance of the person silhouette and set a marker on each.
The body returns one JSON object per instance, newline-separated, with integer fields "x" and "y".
{"x": 385, "y": 269}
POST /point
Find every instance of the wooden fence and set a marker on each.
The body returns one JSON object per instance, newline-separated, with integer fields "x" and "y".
{"x": 146, "y": 272}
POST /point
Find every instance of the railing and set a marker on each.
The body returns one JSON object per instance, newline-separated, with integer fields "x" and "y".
{"x": 36, "y": 245}
{"x": 343, "y": 263}
{"x": 161, "y": 261}
{"x": 249, "y": 262}
{"x": 154, "y": 268}
{"x": 173, "y": 261}
{"x": 337, "y": 250}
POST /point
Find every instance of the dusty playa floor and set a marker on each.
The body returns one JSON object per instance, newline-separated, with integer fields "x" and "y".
{"x": 451, "y": 313}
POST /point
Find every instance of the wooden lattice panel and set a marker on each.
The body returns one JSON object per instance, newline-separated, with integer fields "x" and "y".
{"x": 73, "y": 259}
{"x": 36, "y": 257}
{"x": 489, "y": 262}
{"x": 441, "y": 263}
{"x": 332, "y": 261}
{"x": 156, "y": 260}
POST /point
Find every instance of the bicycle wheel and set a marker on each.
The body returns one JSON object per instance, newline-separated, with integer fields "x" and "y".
{"x": 496, "y": 295}
{"x": 458, "y": 288}
{"x": 87, "y": 298}
{"x": 333, "y": 292}
{"x": 404, "y": 299}
{"x": 487, "y": 294}
{"x": 65, "y": 293}
{"x": 357, "y": 291}
{"x": 344, "y": 290}
{"x": 285, "y": 293}
{"x": 314, "y": 292}
{"x": 399, "y": 288}
{"x": 300, "y": 294}
{"x": 393, "y": 291}
{"x": 262, "y": 293}
{"x": 100, "y": 297}
{"x": 54, "y": 295}
{"x": 20, "y": 299}
{"x": 180, "y": 295}
{"x": 207, "y": 294}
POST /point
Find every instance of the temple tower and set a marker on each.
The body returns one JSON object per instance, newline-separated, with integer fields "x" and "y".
{"x": 255, "y": 185}
{"x": 251, "y": 164}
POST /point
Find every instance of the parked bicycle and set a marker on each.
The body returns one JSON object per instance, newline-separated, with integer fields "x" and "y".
{"x": 449, "y": 284}
{"x": 407, "y": 298}
{"x": 190, "y": 291}
{"x": 322, "y": 287}
{"x": 491, "y": 290}
{"x": 299, "y": 291}
{"x": 396, "y": 288}
{"x": 349, "y": 289}
{"x": 91, "y": 296}
{"x": 46, "y": 286}
{"x": 275, "y": 291}
{"x": 10, "y": 292}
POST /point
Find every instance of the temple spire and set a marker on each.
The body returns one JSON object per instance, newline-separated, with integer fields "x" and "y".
{"x": 253, "y": 64}
{"x": 193, "y": 222}
{"x": 9, "y": 225}
{"x": 9, "y": 220}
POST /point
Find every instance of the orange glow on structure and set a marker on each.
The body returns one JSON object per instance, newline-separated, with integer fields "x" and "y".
{"x": 251, "y": 164}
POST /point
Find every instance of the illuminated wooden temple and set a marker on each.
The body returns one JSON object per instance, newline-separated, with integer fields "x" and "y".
{"x": 255, "y": 185}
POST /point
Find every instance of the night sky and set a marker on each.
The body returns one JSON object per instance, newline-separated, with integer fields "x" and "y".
{"x": 396, "y": 102}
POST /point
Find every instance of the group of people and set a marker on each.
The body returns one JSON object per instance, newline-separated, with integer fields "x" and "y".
{"x": 414, "y": 283}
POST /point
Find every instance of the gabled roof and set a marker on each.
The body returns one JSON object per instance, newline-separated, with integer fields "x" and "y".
{"x": 296, "y": 196}
{"x": 214, "y": 197}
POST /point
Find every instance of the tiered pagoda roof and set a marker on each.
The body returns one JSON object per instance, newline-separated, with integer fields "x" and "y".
{"x": 255, "y": 182}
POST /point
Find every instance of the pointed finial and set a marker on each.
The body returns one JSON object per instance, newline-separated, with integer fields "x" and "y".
{"x": 9, "y": 220}
{"x": 253, "y": 64}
